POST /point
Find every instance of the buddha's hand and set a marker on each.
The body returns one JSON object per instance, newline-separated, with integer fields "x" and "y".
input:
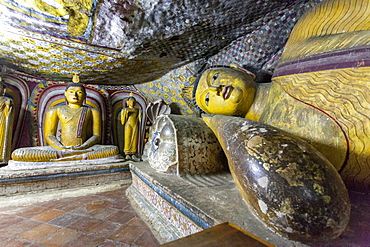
{"x": 78, "y": 147}
{"x": 70, "y": 152}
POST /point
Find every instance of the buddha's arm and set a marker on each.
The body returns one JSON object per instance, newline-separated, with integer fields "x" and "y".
{"x": 50, "y": 128}
{"x": 96, "y": 137}
{"x": 124, "y": 116}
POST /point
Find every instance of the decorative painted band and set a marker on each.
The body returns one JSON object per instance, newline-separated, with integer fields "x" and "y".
{"x": 181, "y": 208}
{"x": 346, "y": 58}
{"x": 56, "y": 176}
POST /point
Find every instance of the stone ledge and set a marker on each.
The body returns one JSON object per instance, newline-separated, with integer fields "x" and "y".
{"x": 22, "y": 182}
{"x": 173, "y": 197}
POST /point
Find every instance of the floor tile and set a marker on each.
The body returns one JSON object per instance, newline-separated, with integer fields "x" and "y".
{"x": 64, "y": 220}
{"x": 38, "y": 232}
{"x": 19, "y": 228}
{"x": 105, "y": 229}
{"x": 127, "y": 233}
{"x": 85, "y": 224}
{"x": 102, "y": 204}
{"x": 103, "y": 219}
{"x": 29, "y": 212}
{"x": 60, "y": 238}
{"x": 146, "y": 240}
{"x": 102, "y": 213}
{"x": 47, "y": 215}
{"x": 9, "y": 220}
{"x": 14, "y": 243}
{"x": 122, "y": 217}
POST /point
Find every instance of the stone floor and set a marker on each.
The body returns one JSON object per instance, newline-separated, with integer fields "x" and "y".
{"x": 101, "y": 219}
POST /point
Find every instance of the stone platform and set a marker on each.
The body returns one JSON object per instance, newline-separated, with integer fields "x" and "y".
{"x": 26, "y": 185}
{"x": 176, "y": 207}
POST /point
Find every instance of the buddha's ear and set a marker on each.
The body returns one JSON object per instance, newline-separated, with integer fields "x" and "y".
{"x": 65, "y": 98}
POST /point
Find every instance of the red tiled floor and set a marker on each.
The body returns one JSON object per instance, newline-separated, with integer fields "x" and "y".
{"x": 102, "y": 219}
{"x": 60, "y": 238}
{"x": 38, "y": 232}
{"x": 47, "y": 215}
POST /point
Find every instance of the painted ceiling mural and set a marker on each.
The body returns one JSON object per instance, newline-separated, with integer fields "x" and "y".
{"x": 119, "y": 42}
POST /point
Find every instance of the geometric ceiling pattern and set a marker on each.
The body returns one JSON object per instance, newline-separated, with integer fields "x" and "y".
{"x": 117, "y": 42}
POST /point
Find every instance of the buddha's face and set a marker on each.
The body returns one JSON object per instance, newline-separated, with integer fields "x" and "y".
{"x": 75, "y": 95}
{"x": 131, "y": 102}
{"x": 225, "y": 91}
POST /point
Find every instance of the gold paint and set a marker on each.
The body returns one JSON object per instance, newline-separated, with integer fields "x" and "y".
{"x": 90, "y": 59}
{"x": 68, "y": 54}
{"x": 56, "y": 47}
{"x": 331, "y": 25}
{"x": 77, "y": 10}
{"x": 41, "y": 48}
{"x": 256, "y": 141}
{"x": 73, "y": 144}
{"x": 286, "y": 207}
{"x": 329, "y": 91}
{"x": 79, "y": 61}
{"x": 43, "y": 56}
{"x": 267, "y": 166}
{"x": 304, "y": 121}
{"x": 28, "y": 49}
{"x": 131, "y": 120}
{"x": 15, "y": 50}
{"x": 56, "y": 56}
{"x": 318, "y": 189}
{"x": 6, "y": 124}
{"x": 80, "y": 52}
{"x": 225, "y": 91}
{"x": 103, "y": 58}
{"x": 292, "y": 174}
{"x": 326, "y": 199}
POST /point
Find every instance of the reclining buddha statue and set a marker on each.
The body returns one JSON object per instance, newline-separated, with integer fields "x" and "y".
{"x": 80, "y": 132}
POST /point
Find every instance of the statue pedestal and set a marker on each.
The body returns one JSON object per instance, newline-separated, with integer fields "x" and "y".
{"x": 28, "y": 182}
{"x": 23, "y": 165}
{"x": 176, "y": 207}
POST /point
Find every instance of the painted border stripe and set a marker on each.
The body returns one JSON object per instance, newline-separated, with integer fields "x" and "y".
{"x": 181, "y": 208}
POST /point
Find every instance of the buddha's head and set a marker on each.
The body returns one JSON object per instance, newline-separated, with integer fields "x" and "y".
{"x": 75, "y": 93}
{"x": 225, "y": 91}
{"x": 131, "y": 102}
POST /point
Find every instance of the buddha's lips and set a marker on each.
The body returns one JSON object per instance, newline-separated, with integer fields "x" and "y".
{"x": 226, "y": 92}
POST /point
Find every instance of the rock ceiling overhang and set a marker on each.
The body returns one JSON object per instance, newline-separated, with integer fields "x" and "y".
{"x": 119, "y": 41}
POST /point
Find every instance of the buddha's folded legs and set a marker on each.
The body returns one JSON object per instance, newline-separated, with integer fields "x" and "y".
{"x": 48, "y": 153}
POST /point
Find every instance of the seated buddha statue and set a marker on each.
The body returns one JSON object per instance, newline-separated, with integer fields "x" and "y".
{"x": 80, "y": 132}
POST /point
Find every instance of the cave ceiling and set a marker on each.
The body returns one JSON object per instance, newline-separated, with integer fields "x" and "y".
{"x": 118, "y": 42}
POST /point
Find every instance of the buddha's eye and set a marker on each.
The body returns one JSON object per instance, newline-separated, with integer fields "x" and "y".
{"x": 207, "y": 99}
{"x": 214, "y": 77}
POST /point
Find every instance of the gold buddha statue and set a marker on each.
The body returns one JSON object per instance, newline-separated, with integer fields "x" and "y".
{"x": 131, "y": 119}
{"x": 79, "y": 135}
{"x": 232, "y": 91}
{"x": 6, "y": 124}
{"x": 325, "y": 58}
